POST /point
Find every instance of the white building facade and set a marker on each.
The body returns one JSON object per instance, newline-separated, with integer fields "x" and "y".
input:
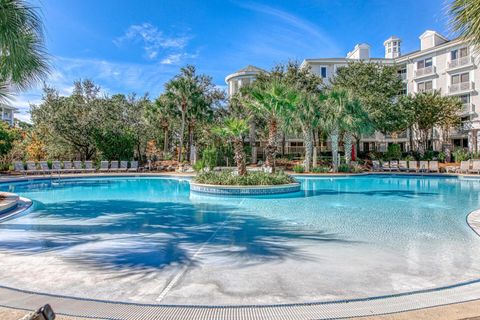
{"x": 449, "y": 66}
{"x": 8, "y": 114}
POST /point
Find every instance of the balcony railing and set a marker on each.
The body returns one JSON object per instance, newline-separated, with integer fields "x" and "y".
{"x": 468, "y": 108}
{"x": 423, "y": 72}
{"x": 461, "y": 87}
{"x": 460, "y": 62}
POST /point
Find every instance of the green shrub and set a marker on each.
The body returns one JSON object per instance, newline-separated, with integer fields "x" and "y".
{"x": 167, "y": 156}
{"x": 228, "y": 178}
{"x": 210, "y": 157}
{"x": 321, "y": 169}
{"x": 345, "y": 168}
{"x": 199, "y": 165}
{"x": 394, "y": 152}
{"x": 460, "y": 155}
{"x": 441, "y": 156}
{"x": 298, "y": 168}
{"x": 409, "y": 157}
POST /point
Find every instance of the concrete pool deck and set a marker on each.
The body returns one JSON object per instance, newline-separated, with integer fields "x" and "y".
{"x": 340, "y": 309}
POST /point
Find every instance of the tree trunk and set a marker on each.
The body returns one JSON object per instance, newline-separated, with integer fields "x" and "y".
{"x": 165, "y": 140}
{"x": 308, "y": 139}
{"x": 348, "y": 147}
{"x": 410, "y": 135}
{"x": 240, "y": 157}
{"x": 334, "y": 140}
{"x": 190, "y": 141}
{"x": 182, "y": 132}
{"x": 252, "y": 140}
{"x": 271, "y": 148}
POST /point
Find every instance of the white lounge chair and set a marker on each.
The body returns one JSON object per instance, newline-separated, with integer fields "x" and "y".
{"x": 133, "y": 166}
{"x": 68, "y": 167}
{"x": 114, "y": 166}
{"x": 475, "y": 167}
{"x": 394, "y": 165}
{"x": 413, "y": 166}
{"x": 123, "y": 166}
{"x": 44, "y": 167}
{"x": 89, "y": 166}
{"x": 77, "y": 165}
{"x": 32, "y": 168}
{"x": 386, "y": 166}
{"x": 56, "y": 166}
{"x": 433, "y": 166}
{"x": 423, "y": 166}
{"x": 19, "y": 167}
{"x": 464, "y": 166}
{"x": 402, "y": 165}
{"x": 103, "y": 166}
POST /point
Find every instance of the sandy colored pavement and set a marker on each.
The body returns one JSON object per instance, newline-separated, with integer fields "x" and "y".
{"x": 460, "y": 311}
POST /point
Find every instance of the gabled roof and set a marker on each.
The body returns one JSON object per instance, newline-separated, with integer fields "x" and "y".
{"x": 250, "y": 68}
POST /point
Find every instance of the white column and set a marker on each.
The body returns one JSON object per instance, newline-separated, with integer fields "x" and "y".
{"x": 470, "y": 141}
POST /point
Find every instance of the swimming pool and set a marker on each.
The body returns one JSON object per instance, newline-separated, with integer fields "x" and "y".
{"x": 150, "y": 240}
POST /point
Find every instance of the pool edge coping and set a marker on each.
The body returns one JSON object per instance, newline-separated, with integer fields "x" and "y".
{"x": 472, "y": 220}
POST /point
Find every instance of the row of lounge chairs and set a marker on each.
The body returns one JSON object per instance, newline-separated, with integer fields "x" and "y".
{"x": 73, "y": 167}
{"x": 469, "y": 166}
{"x": 405, "y": 166}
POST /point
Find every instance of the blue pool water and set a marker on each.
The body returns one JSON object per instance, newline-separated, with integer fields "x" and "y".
{"x": 150, "y": 240}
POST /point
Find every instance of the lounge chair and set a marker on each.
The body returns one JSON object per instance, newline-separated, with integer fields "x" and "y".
{"x": 133, "y": 166}
{"x": 123, "y": 166}
{"x": 77, "y": 165}
{"x": 103, "y": 166}
{"x": 402, "y": 165}
{"x": 394, "y": 165}
{"x": 433, "y": 166}
{"x": 56, "y": 166}
{"x": 44, "y": 167}
{"x": 423, "y": 166}
{"x": 386, "y": 166}
{"x": 32, "y": 168}
{"x": 67, "y": 167}
{"x": 464, "y": 166}
{"x": 114, "y": 166}
{"x": 475, "y": 167}
{"x": 413, "y": 166}
{"x": 89, "y": 166}
{"x": 19, "y": 167}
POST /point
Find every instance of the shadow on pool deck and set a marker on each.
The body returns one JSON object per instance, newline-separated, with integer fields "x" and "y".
{"x": 143, "y": 236}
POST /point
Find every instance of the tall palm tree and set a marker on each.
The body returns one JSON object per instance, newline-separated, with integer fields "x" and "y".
{"x": 465, "y": 19}
{"x": 23, "y": 60}
{"x": 345, "y": 115}
{"x": 161, "y": 112}
{"x": 234, "y": 129}
{"x": 308, "y": 114}
{"x": 274, "y": 101}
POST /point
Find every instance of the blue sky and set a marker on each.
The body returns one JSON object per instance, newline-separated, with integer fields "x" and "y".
{"x": 136, "y": 46}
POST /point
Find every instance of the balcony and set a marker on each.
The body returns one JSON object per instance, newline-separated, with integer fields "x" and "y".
{"x": 462, "y": 87}
{"x": 425, "y": 72}
{"x": 460, "y": 63}
{"x": 467, "y": 109}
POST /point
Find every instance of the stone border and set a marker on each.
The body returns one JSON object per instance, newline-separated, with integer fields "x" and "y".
{"x": 22, "y": 205}
{"x": 9, "y": 202}
{"x": 473, "y": 221}
{"x": 244, "y": 190}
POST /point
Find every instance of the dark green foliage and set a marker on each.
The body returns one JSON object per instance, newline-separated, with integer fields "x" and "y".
{"x": 298, "y": 168}
{"x": 114, "y": 145}
{"x": 7, "y": 137}
{"x": 251, "y": 179}
{"x": 210, "y": 157}
{"x": 394, "y": 152}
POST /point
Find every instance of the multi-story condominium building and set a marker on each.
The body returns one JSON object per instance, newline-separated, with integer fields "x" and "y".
{"x": 449, "y": 66}
{"x": 7, "y": 113}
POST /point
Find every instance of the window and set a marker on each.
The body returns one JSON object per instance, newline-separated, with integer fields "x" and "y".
{"x": 465, "y": 99}
{"x": 425, "y": 86}
{"x": 323, "y": 72}
{"x": 461, "y": 78}
{"x": 459, "y": 53}
{"x": 424, "y": 63}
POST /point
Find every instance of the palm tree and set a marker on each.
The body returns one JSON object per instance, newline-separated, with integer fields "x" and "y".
{"x": 308, "y": 113}
{"x": 161, "y": 112}
{"x": 234, "y": 129}
{"x": 466, "y": 19}
{"x": 23, "y": 60}
{"x": 274, "y": 101}
{"x": 345, "y": 115}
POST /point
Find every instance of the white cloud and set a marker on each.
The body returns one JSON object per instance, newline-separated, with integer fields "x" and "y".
{"x": 154, "y": 42}
{"x": 176, "y": 58}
